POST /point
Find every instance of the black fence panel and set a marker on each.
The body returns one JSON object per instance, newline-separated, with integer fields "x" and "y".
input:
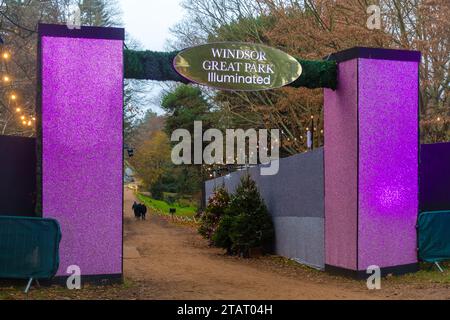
{"x": 435, "y": 177}
{"x": 17, "y": 176}
{"x": 29, "y": 248}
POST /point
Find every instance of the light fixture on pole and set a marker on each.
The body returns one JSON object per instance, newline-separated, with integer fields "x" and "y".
{"x": 311, "y": 135}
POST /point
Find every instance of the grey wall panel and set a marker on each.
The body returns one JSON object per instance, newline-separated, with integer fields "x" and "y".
{"x": 301, "y": 239}
{"x": 295, "y": 199}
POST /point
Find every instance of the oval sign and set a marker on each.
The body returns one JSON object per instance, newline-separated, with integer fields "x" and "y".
{"x": 237, "y": 66}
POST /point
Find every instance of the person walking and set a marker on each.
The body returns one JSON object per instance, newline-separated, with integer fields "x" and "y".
{"x": 143, "y": 211}
{"x": 136, "y": 210}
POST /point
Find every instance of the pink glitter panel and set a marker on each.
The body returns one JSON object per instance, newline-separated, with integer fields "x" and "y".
{"x": 82, "y": 108}
{"x": 388, "y": 182}
{"x": 341, "y": 169}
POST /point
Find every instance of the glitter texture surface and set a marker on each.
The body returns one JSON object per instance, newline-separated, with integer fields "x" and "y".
{"x": 388, "y": 163}
{"x": 82, "y": 108}
{"x": 341, "y": 169}
{"x": 372, "y": 165}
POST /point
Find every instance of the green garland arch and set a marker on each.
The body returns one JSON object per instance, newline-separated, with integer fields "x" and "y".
{"x": 158, "y": 66}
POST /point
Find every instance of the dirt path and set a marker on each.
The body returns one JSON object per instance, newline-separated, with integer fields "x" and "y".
{"x": 164, "y": 261}
{"x": 173, "y": 262}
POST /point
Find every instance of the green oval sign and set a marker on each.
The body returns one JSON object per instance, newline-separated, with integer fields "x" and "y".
{"x": 237, "y": 66}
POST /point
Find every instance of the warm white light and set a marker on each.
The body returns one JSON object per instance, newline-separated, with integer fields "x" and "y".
{"x": 6, "y": 55}
{"x": 13, "y": 97}
{"x": 18, "y": 110}
{"x": 6, "y": 79}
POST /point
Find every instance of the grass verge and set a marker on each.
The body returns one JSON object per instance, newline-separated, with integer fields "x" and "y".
{"x": 163, "y": 207}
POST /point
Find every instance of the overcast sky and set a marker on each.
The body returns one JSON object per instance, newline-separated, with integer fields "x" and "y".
{"x": 148, "y": 21}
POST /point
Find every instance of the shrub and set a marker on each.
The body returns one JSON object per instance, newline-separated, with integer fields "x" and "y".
{"x": 183, "y": 203}
{"x": 221, "y": 238}
{"x": 213, "y": 214}
{"x": 247, "y": 223}
{"x": 157, "y": 191}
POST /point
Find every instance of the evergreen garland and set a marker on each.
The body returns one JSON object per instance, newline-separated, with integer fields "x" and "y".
{"x": 317, "y": 74}
{"x": 150, "y": 65}
{"x": 158, "y": 66}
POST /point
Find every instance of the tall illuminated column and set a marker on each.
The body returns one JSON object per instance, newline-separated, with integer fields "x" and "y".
{"x": 81, "y": 115}
{"x": 372, "y": 162}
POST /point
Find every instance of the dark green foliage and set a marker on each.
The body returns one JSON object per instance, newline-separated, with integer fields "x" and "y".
{"x": 317, "y": 74}
{"x": 247, "y": 223}
{"x": 157, "y": 190}
{"x": 221, "y": 237}
{"x": 150, "y": 65}
{"x": 214, "y": 212}
{"x": 184, "y": 96}
{"x": 176, "y": 179}
{"x": 159, "y": 66}
{"x": 185, "y": 105}
{"x": 251, "y": 231}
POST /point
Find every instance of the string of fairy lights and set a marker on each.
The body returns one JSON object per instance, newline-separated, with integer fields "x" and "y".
{"x": 313, "y": 133}
{"x": 440, "y": 120}
{"x": 26, "y": 119}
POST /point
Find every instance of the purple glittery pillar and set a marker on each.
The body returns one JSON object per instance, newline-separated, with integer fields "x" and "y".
{"x": 81, "y": 104}
{"x": 372, "y": 161}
